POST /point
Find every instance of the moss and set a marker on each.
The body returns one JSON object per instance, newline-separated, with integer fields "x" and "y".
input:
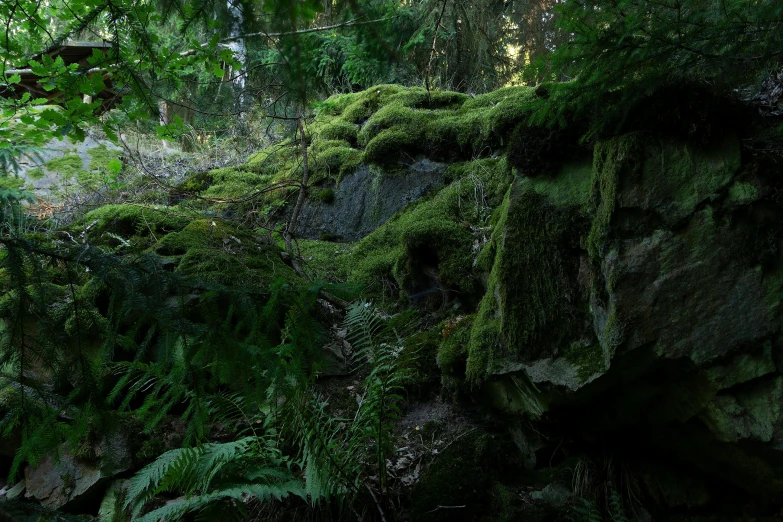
{"x": 324, "y": 260}
{"x": 392, "y": 144}
{"x": 325, "y": 196}
{"x": 196, "y": 182}
{"x": 256, "y": 270}
{"x": 71, "y": 166}
{"x": 453, "y": 349}
{"x": 335, "y": 129}
{"x": 101, "y": 158}
{"x": 460, "y": 476}
{"x": 200, "y": 233}
{"x": 539, "y": 150}
{"x": 358, "y": 107}
{"x": 130, "y": 220}
{"x": 335, "y": 161}
{"x": 418, "y": 363}
{"x": 611, "y": 159}
{"x": 36, "y": 173}
{"x": 432, "y": 235}
{"x": 589, "y": 359}
{"x": 571, "y": 186}
{"x": 742, "y": 193}
{"x": 67, "y": 166}
{"x": 217, "y": 252}
{"x": 233, "y": 182}
{"x": 532, "y": 298}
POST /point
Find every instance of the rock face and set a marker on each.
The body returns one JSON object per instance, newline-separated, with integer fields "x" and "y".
{"x": 650, "y": 304}
{"x": 367, "y": 198}
{"x": 55, "y": 484}
{"x": 62, "y": 167}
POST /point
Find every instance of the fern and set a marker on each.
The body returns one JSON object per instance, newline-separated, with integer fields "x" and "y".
{"x": 212, "y": 473}
{"x": 585, "y": 510}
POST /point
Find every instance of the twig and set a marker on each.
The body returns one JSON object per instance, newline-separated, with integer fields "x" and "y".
{"x": 383, "y": 517}
{"x": 445, "y": 507}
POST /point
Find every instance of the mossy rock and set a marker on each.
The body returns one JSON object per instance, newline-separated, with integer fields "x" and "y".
{"x": 427, "y": 247}
{"x": 539, "y": 151}
{"x": 127, "y": 221}
{"x": 229, "y": 267}
{"x": 460, "y": 476}
{"x": 218, "y": 252}
{"x": 534, "y": 307}
{"x": 463, "y": 475}
{"x": 419, "y": 364}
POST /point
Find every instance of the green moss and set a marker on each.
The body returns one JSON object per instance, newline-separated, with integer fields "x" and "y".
{"x": 356, "y": 108}
{"x": 217, "y": 252}
{"x": 453, "y": 349}
{"x": 335, "y": 129}
{"x": 71, "y": 166}
{"x": 200, "y": 233}
{"x": 68, "y": 166}
{"x": 335, "y": 161}
{"x": 35, "y": 173}
{"x": 532, "y": 298}
{"x": 231, "y": 266}
{"x": 232, "y": 182}
{"x": 325, "y": 196}
{"x": 417, "y": 360}
{"x": 130, "y": 220}
{"x": 460, "y": 476}
{"x": 432, "y": 235}
{"x": 101, "y": 158}
{"x": 611, "y": 159}
{"x": 196, "y": 182}
{"x": 742, "y": 193}
{"x": 324, "y": 260}
{"x": 589, "y": 359}
{"x": 390, "y": 144}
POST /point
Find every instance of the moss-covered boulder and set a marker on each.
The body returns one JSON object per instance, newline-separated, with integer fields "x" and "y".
{"x": 220, "y": 252}
{"x": 534, "y": 314}
{"x": 456, "y": 486}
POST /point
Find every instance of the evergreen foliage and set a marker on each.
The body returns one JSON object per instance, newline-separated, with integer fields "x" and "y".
{"x": 622, "y": 52}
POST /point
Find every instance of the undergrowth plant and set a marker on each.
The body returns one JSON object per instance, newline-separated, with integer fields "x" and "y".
{"x": 301, "y": 451}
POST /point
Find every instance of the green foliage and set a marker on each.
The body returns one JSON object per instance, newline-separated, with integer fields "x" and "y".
{"x": 622, "y": 52}
{"x": 212, "y": 474}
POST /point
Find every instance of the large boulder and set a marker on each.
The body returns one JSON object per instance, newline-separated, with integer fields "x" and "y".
{"x": 366, "y": 198}
{"x": 643, "y": 294}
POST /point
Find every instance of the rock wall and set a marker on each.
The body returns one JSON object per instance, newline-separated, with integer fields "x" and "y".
{"x": 647, "y": 306}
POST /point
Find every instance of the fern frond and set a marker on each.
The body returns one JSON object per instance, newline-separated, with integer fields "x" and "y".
{"x": 236, "y": 492}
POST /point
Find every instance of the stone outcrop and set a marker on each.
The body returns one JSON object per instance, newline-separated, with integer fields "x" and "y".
{"x": 652, "y": 304}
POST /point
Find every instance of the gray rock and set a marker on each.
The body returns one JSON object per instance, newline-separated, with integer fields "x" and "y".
{"x": 54, "y": 484}
{"x": 333, "y": 361}
{"x": 47, "y": 186}
{"x": 556, "y": 494}
{"x": 16, "y": 491}
{"x": 366, "y": 199}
